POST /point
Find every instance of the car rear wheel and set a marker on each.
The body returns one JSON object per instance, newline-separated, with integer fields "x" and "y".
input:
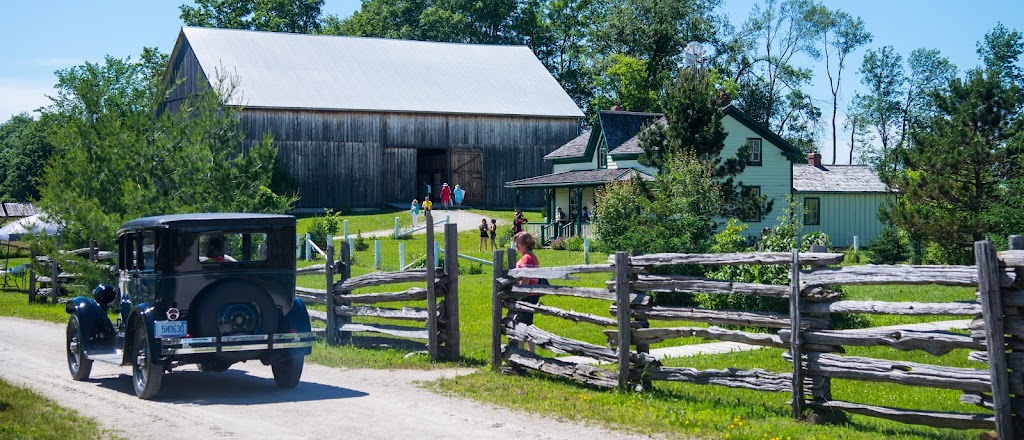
{"x": 288, "y": 371}
{"x": 146, "y": 375}
{"x": 79, "y": 365}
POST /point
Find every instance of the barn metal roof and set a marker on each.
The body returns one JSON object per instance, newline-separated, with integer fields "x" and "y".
{"x": 284, "y": 70}
{"x": 578, "y": 178}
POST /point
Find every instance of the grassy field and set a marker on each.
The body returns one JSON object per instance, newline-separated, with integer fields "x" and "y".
{"x": 26, "y": 415}
{"x": 674, "y": 410}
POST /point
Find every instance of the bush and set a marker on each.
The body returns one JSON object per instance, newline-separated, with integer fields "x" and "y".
{"x": 360, "y": 243}
{"x": 322, "y": 226}
{"x": 558, "y": 244}
{"x": 505, "y": 238}
{"x": 890, "y": 247}
{"x": 574, "y": 244}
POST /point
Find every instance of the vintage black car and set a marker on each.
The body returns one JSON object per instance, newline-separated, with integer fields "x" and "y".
{"x": 205, "y": 289}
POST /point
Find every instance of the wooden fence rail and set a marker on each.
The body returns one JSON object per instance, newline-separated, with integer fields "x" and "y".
{"x": 438, "y": 318}
{"x": 813, "y": 347}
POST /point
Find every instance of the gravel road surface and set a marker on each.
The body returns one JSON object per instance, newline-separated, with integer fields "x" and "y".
{"x": 244, "y": 402}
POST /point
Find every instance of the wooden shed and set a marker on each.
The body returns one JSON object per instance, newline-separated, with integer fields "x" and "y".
{"x": 363, "y": 122}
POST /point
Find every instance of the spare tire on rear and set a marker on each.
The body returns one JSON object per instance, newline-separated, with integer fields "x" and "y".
{"x": 234, "y": 308}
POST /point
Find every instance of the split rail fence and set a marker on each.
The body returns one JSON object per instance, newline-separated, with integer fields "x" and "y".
{"x": 439, "y": 316}
{"x": 806, "y": 332}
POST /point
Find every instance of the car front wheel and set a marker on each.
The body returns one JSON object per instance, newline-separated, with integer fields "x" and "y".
{"x": 146, "y": 375}
{"x": 79, "y": 365}
{"x": 288, "y": 371}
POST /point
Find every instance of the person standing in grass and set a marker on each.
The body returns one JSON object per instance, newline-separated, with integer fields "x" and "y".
{"x": 427, "y": 204}
{"x": 414, "y": 209}
{"x": 483, "y": 234}
{"x": 493, "y": 231}
{"x": 524, "y": 243}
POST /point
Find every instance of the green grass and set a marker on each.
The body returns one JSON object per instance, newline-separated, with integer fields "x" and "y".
{"x": 27, "y": 415}
{"x": 674, "y": 410}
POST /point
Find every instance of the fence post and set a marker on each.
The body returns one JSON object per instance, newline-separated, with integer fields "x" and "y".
{"x": 396, "y": 226}
{"x": 298, "y": 246}
{"x": 497, "y": 271}
{"x": 32, "y": 275}
{"x": 1016, "y": 244}
{"x": 794, "y": 335}
{"x": 401, "y": 256}
{"x": 622, "y": 315}
{"x": 586, "y": 251}
{"x": 451, "y": 297}
{"x": 345, "y": 226}
{"x": 995, "y": 339}
{"x": 432, "y": 341}
{"x": 351, "y": 246}
{"x": 55, "y": 286}
{"x": 376, "y": 254}
{"x": 93, "y": 251}
{"x": 309, "y": 249}
{"x": 332, "y": 320}
{"x": 343, "y": 268}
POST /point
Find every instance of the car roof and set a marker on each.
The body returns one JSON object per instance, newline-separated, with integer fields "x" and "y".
{"x": 235, "y": 219}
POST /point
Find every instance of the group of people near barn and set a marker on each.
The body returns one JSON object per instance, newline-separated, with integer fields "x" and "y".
{"x": 450, "y": 198}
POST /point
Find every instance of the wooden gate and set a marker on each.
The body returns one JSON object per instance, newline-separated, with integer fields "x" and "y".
{"x": 468, "y": 172}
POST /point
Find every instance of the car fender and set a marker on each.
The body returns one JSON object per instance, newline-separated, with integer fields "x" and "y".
{"x": 142, "y": 314}
{"x": 97, "y": 330}
{"x": 297, "y": 320}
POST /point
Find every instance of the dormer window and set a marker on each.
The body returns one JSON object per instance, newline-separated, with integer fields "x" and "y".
{"x": 754, "y": 146}
{"x": 602, "y": 153}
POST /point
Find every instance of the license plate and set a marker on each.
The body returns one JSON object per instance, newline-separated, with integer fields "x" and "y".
{"x": 170, "y": 329}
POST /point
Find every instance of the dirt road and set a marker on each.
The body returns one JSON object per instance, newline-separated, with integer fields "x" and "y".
{"x": 244, "y": 402}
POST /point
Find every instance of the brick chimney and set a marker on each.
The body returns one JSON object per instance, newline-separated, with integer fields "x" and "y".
{"x": 814, "y": 159}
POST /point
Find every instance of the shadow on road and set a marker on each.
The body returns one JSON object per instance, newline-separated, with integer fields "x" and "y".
{"x": 232, "y": 387}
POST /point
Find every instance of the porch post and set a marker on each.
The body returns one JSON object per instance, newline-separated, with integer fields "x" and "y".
{"x": 579, "y": 210}
{"x": 515, "y": 199}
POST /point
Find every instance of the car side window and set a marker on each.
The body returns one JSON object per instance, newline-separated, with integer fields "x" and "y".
{"x": 232, "y": 247}
{"x": 148, "y": 251}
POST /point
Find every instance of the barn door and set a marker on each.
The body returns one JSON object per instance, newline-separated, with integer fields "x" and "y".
{"x": 468, "y": 172}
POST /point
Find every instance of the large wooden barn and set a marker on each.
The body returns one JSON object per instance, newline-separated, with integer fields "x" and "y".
{"x": 363, "y": 122}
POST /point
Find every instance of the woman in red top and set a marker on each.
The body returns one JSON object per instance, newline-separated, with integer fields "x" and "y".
{"x": 446, "y": 196}
{"x": 525, "y": 243}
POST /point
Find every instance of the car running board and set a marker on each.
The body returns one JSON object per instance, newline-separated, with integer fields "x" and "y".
{"x": 109, "y": 358}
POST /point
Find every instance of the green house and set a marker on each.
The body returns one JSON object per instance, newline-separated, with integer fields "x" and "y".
{"x": 610, "y": 151}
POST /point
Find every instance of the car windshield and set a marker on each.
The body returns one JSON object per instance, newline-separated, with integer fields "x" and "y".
{"x": 232, "y": 247}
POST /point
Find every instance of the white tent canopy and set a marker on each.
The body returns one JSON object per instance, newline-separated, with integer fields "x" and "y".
{"x": 31, "y": 225}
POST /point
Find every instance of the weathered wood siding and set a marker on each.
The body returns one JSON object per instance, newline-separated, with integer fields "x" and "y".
{"x": 843, "y": 215}
{"x": 362, "y": 159}
{"x": 366, "y": 159}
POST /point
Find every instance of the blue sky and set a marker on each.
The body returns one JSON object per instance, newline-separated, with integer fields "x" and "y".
{"x": 42, "y": 37}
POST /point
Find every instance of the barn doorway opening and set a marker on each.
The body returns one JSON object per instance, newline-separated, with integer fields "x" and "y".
{"x": 432, "y": 171}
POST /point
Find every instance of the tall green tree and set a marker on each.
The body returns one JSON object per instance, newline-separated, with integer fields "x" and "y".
{"x": 657, "y": 31}
{"x": 116, "y": 158}
{"x": 841, "y": 35}
{"x": 1001, "y": 51}
{"x": 298, "y": 16}
{"x": 771, "y": 83}
{"x": 24, "y": 151}
{"x": 883, "y": 76}
{"x": 929, "y": 73}
{"x": 694, "y": 127}
{"x": 957, "y": 174}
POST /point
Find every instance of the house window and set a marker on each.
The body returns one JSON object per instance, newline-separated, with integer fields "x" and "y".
{"x": 812, "y": 211}
{"x": 751, "y": 194}
{"x": 602, "y": 153}
{"x": 754, "y": 146}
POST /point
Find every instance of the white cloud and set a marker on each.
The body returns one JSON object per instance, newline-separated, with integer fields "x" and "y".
{"x": 18, "y": 95}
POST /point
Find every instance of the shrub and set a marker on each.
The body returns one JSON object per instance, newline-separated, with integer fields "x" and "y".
{"x": 360, "y": 242}
{"x": 322, "y": 226}
{"x": 890, "y": 247}
{"x": 505, "y": 238}
{"x": 558, "y": 244}
{"x": 574, "y": 244}
{"x": 816, "y": 238}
